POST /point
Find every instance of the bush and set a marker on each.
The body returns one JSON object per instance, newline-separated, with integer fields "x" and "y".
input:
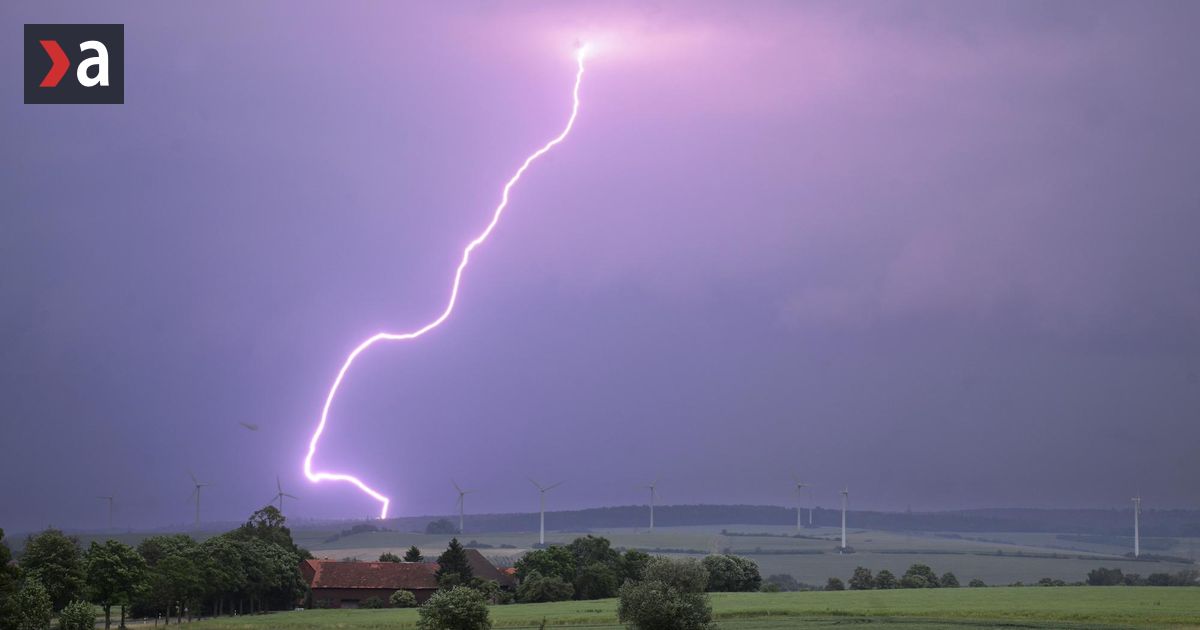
{"x": 403, "y": 599}
{"x": 783, "y": 582}
{"x": 732, "y": 574}
{"x": 669, "y": 597}
{"x": 373, "y": 602}
{"x": 835, "y": 584}
{"x": 77, "y": 615}
{"x": 1105, "y": 577}
{"x": 537, "y": 588}
{"x": 458, "y": 608}
{"x": 976, "y": 583}
{"x": 862, "y": 580}
{"x": 885, "y": 579}
{"x": 948, "y": 580}
{"x": 919, "y": 576}
{"x": 388, "y": 556}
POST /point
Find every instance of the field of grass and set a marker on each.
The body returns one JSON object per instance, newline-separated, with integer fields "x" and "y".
{"x": 1034, "y": 607}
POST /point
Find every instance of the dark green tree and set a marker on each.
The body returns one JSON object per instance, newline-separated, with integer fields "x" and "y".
{"x": 457, "y": 608}
{"x": 413, "y": 555}
{"x": 948, "y": 580}
{"x": 440, "y": 527}
{"x": 552, "y": 561}
{"x": 77, "y": 615}
{"x": 919, "y": 576}
{"x": 784, "y": 582}
{"x": 537, "y": 588}
{"x": 885, "y": 580}
{"x": 670, "y": 596}
{"x": 453, "y": 567}
{"x": 54, "y": 559}
{"x": 388, "y": 556}
{"x": 114, "y": 572}
{"x": 597, "y": 580}
{"x": 731, "y": 574}
{"x": 594, "y": 549}
{"x": 1105, "y": 577}
{"x": 835, "y": 584}
{"x": 633, "y": 564}
{"x": 976, "y": 583}
{"x": 862, "y": 580}
{"x": 9, "y": 585}
{"x": 33, "y": 606}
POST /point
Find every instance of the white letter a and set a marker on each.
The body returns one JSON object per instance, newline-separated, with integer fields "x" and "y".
{"x": 100, "y": 60}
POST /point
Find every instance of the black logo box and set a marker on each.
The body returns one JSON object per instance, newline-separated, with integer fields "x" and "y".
{"x": 69, "y": 37}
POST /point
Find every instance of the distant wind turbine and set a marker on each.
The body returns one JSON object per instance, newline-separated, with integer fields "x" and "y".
{"x": 542, "y": 490}
{"x": 1137, "y": 513}
{"x": 249, "y": 426}
{"x": 110, "y": 505}
{"x": 845, "y": 499}
{"x": 800, "y": 486}
{"x": 280, "y": 494}
{"x": 653, "y": 494}
{"x": 461, "y": 493}
{"x": 196, "y": 494}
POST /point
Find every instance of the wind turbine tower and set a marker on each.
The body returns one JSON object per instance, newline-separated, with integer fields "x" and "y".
{"x": 845, "y": 499}
{"x": 1137, "y": 513}
{"x": 110, "y": 500}
{"x": 461, "y": 493}
{"x": 542, "y": 490}
{"x": 800, "y": 486}
{"x": 196, "y": 494}
{"x": 280, "y": 494}
{"x": 653, "y": 494}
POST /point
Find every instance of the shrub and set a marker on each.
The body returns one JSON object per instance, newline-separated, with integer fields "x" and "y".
{"x": 403, "y": 599}
{"x": 458, "y": 608}
{"x": 373, "y": 602}
{"x": 835, "y": 584}
{"x": 537, "y": 588}
{"x": 77, "y": 615}
{"x": 885, "y": 579}
{"x": 948, "y": 580}
{"x": 862, "y": 580}
{"x": 388, "y": 556}
{"x": 976, "y": 583}
{"x": 783, "y": 582}
{"x": 1105, "y": 577}
{"x": 670, "y": 596}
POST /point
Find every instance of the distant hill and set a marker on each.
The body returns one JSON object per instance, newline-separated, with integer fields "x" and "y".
{"x": 1101, "y": 522}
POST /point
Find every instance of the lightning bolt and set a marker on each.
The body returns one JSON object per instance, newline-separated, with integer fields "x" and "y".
{"x": 318, "y": 476}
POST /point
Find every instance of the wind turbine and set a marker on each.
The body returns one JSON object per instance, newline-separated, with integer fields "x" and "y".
{"x": 845, "y": 498}
{"x": 653, "y": 494}
{"x": 280, "y": 494}
{"x": 542, "y": 490}
{"x": 461, "y": 493}
{"x": 800, "y": 486}
{"x": 196, "y": 495}
{"x": 1137, "y": 512}
{"x": 110, "y": 500}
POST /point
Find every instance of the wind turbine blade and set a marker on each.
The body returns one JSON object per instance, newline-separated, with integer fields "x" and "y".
{"x": 278, "y": 485}
{"x": 536, "y": 484}
{"x": 554, "y": 486}
{"x": 290, "y": 496}
{"x": 193, "y": 476}
{"x": 455, "y": 484}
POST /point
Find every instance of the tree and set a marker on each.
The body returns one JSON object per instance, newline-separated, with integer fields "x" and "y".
{"x": 457, "y": 608}
{"x": 54, "y": 560}
{"x": 976, "y": 583}
{"x": 919, "y": 576}
{"x": 9, "y": 585}
{"x": 948, "y": 580}
{"x": 670, "y": 596}
{"x": 453, "y": 567}
{"x": 784, "y": 582}
{"x": 441, "y": 526}
{"x": 1105, "y": 577}
{"x": 597, "y": 580}
{"x": 33, "y": 606}
{"x": 403, "y": 599}
{"x": 413, "y": 555}
{"x": 885, "y": 579}
{"x": 114, "y": 572}
{"x": 633, "y": 564}
{"x": 862, "y": 580}
{"x": 388, "y": 556}
{"x": 552, "y": 561}
{"x": 77, "y": 615}
{"x": 731, "y": 574}
{"x": 538, "y": 588}
{"x": 835, "y": 584}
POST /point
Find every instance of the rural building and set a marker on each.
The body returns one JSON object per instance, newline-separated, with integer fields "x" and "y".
{"x": 340, "y": 584}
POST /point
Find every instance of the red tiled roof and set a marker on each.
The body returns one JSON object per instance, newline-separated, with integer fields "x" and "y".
{"x": 484, "y": 569}
{"x": 375, "y": 575}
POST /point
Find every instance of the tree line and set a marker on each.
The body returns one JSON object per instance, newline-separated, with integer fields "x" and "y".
{"x": 251, "y": 568}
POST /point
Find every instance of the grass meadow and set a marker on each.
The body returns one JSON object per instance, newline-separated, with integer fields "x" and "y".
{"x": 1030, "y": 607}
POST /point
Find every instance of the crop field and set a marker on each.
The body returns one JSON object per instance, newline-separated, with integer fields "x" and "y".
{"x": 997, "y": 559}
{"x": 1034, "y": 607}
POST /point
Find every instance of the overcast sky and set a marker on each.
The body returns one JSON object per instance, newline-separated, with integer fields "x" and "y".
{"x": 943, "y": 253}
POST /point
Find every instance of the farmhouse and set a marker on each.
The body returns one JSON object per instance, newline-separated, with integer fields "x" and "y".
{"x": 339, "y": 584}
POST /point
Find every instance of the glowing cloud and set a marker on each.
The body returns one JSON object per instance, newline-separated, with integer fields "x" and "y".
{"x": 318, "y": 476}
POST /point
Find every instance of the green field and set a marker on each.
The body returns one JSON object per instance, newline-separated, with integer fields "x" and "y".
{"x": 1032, "y": 607}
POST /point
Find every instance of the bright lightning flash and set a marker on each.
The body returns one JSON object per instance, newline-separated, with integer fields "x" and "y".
{"x": 316, "y": 476}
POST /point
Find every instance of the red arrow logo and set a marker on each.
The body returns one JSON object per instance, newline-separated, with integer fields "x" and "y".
{"x": 61, "y": 63}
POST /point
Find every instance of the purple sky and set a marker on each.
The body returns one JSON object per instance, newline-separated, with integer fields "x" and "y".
{"x": 945, "y": 253}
